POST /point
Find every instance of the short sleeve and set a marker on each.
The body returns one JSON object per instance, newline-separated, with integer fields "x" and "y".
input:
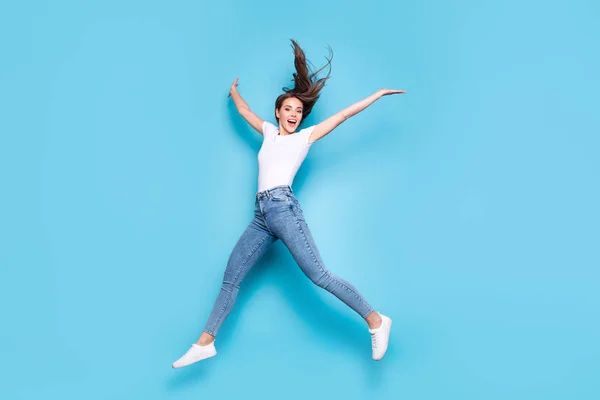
{"x": 269, "y": 130}
{"x": 306, "y": 134}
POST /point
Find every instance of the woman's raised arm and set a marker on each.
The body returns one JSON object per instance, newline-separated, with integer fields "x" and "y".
{"x": 332, "y": 122}
{"x": 244, "y": 109}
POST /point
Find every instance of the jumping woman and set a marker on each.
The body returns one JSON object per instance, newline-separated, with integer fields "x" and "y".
{"x": 277, "y": 212}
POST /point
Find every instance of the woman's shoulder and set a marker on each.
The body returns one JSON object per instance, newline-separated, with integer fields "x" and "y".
{"x": 305, "y": 133}
{"x": 269, "y": 129}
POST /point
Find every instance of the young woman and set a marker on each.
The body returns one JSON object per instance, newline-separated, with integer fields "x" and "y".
{"x": 277, "y": 212}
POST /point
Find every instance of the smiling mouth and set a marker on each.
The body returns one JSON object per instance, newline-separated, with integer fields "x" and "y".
{"x": 292, "y": 122}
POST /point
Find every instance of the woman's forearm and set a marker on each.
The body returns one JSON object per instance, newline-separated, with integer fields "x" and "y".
{"x": 332, "y": 122}
{"x": 361, "y": 105}
{"x": 238, "y": 100}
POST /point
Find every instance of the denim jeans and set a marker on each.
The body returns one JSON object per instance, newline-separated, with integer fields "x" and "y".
{"x": 277, "y": 215}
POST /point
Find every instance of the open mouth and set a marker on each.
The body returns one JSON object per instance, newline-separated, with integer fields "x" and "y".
{"x": 292, "y": 122}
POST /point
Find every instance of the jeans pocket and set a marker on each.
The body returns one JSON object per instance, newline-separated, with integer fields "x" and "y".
{"x": 280, "y": 197}
{"x": 297, "y": 210}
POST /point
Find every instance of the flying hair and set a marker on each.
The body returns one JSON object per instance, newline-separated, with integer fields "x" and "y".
{"x": 307, "y": 86}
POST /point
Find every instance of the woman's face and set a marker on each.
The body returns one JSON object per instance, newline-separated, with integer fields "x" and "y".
{"x": 290, "y": 114}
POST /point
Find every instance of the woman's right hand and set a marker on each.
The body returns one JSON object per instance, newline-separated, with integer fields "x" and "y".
{"x": 233, "y": 86}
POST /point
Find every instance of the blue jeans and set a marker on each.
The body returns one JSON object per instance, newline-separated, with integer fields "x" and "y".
{"x": 277, "y": 215}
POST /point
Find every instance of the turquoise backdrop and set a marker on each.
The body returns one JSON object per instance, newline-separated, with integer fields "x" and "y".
{"x": 467, "y": 209}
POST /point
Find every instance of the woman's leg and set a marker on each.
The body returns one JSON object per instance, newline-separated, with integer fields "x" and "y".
{"x": 290, "y": 226}
{"x": 287, "y": 222}
{"x": 254, "y": 242}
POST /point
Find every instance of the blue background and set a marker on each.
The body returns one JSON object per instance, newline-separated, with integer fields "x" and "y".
{"x": 467, "y": 209}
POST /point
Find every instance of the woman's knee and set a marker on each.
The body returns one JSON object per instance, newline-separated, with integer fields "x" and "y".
{"x": 231, "y": 282}
{"x": 322, "y": 278}
{"x": 228, "y": 287}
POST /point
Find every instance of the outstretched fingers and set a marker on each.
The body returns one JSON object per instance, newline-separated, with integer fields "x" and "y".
{"x": 387, "y": 92}
{"x": 233, "y": 86}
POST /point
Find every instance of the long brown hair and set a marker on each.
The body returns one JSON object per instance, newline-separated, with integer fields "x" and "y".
{"x": 306, "y": 88}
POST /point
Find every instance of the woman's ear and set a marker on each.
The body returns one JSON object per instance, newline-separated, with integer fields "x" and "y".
{"x": 277, "y": 113}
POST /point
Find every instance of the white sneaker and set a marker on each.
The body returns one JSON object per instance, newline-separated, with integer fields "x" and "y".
{"x": 196, "y": 353}
{"x": 380, "y": 337}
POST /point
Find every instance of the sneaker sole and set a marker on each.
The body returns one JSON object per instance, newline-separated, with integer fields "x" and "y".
{"x": 193, "y": 362}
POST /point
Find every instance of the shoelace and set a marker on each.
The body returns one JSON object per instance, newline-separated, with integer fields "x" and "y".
{"x": 374, "y": 340}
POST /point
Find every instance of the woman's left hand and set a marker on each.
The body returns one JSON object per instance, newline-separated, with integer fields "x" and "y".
{"x": 387, "y": 92}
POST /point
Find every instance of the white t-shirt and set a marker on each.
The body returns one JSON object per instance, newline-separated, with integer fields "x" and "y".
{"x": 280, "y": 157}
